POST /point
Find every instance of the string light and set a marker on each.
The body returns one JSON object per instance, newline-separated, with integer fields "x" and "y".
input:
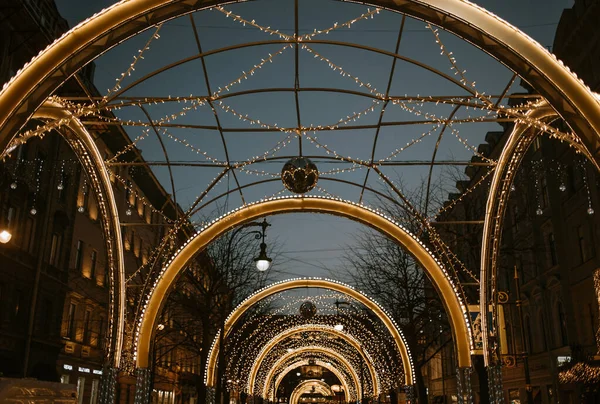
{"x": 131, "y": 68}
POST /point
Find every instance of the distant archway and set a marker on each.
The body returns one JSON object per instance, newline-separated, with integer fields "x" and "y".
{"x": 308, "y": 349}
{"x": 327, "y": 366}
{"x": 303, "y": 328}
{"x": 307, "y": 386}
{"x": 455, "y": 308}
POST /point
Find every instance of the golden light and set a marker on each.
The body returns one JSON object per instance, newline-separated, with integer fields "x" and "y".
{"x": 5, "y": 236}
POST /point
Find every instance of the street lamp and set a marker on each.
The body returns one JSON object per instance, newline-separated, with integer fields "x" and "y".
{"x": 263, "y": 262}
{"x": 5, "y": 236}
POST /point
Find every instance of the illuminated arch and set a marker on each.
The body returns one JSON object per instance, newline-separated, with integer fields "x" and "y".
{"x": 306, "y": 386}
{"x": 311, "y": 348}
{"x": 84, "y": 147}
{"x": 80, "y": 45}
{"x": 332, "y": 369}
{"x": 519, "y": 140}
{"x": 38, "y": 79}
{"x": 311, "y": 327}
{"x": 455, "y": 308}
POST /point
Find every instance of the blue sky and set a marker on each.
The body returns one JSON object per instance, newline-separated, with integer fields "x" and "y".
{"x": 310, "y": 241}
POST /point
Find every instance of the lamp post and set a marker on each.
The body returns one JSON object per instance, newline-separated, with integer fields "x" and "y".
{"x": 263, "y": 263}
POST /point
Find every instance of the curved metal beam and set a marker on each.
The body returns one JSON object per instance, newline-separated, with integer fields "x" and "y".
{"x": 513, "y": 152}
{"x": 32, "y": 84}
{"x": 310, "y": 328}
{"x": 307, "y": 386}
{"x": 456, "y": 309}
{"x": 308, "y": 349}
{"x": 336, "y": 372}
{"x": 91, "y": 159}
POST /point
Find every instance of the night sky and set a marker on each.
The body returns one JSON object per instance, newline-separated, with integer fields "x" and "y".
{"x": 309, "y": 242}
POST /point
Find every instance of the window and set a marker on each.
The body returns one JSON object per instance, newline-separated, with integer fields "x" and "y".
{"x": 80, "y": 389}
{"x": 552, "y": 249}
{"x": 544, "y": 193}
{"x": 55, "y": 249}
{"x": 562, "y": 322}
{"x": 11, "y": 218}
{"x": 94, "y": 394}
{"x": 28, "y": 235}
{"x": 71, "y": 321}
{"x": 132, "y": 240}
{"x": 101, "y": 332}
{"x": 17, "y": 305}
{"x": 542, "y": 334}
{"x": 48, "y": 317}
{"x": 79, "y": 255}
{"x": 94, "y": 259}
{"x": 86, "y": 326}
{"x": 582, "y": 244}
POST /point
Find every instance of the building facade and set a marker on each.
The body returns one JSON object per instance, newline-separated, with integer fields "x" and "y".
{"x": 54, "y": 285}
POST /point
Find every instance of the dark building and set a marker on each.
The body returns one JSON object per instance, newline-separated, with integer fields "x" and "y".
{"x": 56, "y": 259}
{"x": 550, "y": 240}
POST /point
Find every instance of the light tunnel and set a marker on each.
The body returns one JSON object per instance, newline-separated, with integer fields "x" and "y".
{"x": 268, "y": 380}
{"x": 367, "y": 359}
{"x": 351, "y": 393}
{"x": 32, "y": 85}
{"x": 456, "y": 309}
{"x": 307, "y": 386}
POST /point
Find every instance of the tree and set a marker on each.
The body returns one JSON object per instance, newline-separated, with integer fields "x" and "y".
{"x": 204, "y": 295}
{"x": 388, "y": 273}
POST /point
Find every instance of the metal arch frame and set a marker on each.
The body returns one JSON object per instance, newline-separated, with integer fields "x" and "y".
{"x": 568, "y": 95}
{"x": 519, "y": 140}
{"x": 314, "y": 283}
{"x": 113, "y": 25}
{"x": 304, "y": 328}
{"x": 300, "y": 389}
{"x": 329, "y": 367}
{"x": 84, "y": 147}
{"x": 307, "y": 349}
{"x": 455, "y": 307}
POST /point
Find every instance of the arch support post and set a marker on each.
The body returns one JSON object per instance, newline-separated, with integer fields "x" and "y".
{"x": 495, "y": 386}
{"x": 210, "y": 395}
{"x": 409, "y": 390}
{"x": 143, "y": 386}
{"x": 463, "y": 385}
{"x": 108, "y": 385}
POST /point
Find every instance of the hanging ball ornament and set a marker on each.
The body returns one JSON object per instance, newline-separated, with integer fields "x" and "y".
{"x": 13, "y": 185}
{"x": 512, "y": 187}
{"x": 562, "y": 187}
{"x": 33, "y": 211}
{"x": 299, "y": 175}
{"x": 60, "y": 187}
{"x": 128, "y": 212}
{"x": 308, "y": 309}
{"x": 539, "y": 212}
{"x": 81, "y": 209}
{"x": 590, "y": 211}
